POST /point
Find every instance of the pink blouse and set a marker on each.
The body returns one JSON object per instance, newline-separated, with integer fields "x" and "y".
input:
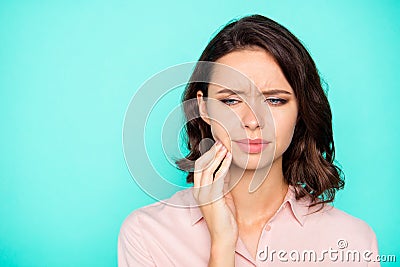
{"x": 164, "y": 235}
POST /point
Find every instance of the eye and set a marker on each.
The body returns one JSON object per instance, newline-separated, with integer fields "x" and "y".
{"x": 276, "y": 101}
{"x": 230, "y": 101}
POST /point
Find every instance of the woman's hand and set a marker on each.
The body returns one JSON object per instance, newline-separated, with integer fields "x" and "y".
{"x": 209, "y": 194}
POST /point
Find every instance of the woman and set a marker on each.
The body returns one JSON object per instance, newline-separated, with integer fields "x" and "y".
{"x": 261, "y": 193}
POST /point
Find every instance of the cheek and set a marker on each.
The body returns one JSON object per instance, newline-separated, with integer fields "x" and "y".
{"x": 219, "y": 132}
{"x": 225, "y": 124}
{"x": 284, "y": 127}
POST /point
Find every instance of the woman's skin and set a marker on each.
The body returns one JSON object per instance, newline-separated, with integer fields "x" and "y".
{"x": 240, "y": 212}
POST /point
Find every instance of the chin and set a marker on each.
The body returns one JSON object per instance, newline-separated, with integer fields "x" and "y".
{"x": 250, "y": 162}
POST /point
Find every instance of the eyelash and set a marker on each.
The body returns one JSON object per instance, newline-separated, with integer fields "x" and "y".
{"x": 282, "y": 101}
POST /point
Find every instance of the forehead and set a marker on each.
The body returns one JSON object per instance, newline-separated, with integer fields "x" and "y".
{"x": 251, "y": 70}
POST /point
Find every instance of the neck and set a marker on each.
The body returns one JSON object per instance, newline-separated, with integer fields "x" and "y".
{"x": 263, "y": 202}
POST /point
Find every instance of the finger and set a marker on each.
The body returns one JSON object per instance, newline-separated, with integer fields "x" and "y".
{"x": 204, "y": 161}
{"x": 226, "y": 163}
{"x": 219, "y": 181}
{"x": 206, "y": 180}
{"x": 200, "y": 164}
{"x": 207, "y": 183}
{"x": 208, "y": 173}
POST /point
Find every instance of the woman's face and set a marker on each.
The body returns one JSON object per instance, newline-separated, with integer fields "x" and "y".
{"x": 265, "y": 108}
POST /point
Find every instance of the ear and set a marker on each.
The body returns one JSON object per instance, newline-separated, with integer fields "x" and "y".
{"x": 202, "y": 107}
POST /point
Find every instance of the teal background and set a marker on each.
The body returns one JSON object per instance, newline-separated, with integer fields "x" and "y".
{"x": 68, "y": 70}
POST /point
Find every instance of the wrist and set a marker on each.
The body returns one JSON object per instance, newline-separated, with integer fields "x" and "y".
{"x": 222, "y": 248}
{"x": 222, "y": 255}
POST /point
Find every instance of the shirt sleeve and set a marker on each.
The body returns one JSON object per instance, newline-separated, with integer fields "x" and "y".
{"x": 375, "y": 251}
{"x": 131, "y": 248}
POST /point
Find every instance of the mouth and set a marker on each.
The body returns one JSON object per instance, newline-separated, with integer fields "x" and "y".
{"x": 252, "y": 146}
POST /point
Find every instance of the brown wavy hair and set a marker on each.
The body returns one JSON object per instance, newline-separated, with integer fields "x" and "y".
{"x": 308, "y": 163}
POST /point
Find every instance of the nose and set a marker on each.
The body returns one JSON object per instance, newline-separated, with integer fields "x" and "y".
{"x": 251, "y": 118}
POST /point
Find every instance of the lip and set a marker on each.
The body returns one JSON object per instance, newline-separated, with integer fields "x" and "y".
{"x": 252, "y": 146}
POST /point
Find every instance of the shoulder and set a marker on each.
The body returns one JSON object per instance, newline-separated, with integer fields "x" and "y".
{"x": 334, "y": 222}
{"x": 154, "y": 235}
{"x": 145, "y": 229}
{"x": 160, "y": 213}
{"x": 335, "y": 216}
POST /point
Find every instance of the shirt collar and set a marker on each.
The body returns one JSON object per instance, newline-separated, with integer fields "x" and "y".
{"x": 299, "y": 208}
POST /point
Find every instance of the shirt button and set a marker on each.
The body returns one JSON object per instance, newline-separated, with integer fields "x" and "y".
{"x": 267, "y": 227}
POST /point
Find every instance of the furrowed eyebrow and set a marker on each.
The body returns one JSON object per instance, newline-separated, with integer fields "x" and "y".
{"x": 230, "y": 91}
{"x": 268, "y": 92}
{"x": 276, "y": 91}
